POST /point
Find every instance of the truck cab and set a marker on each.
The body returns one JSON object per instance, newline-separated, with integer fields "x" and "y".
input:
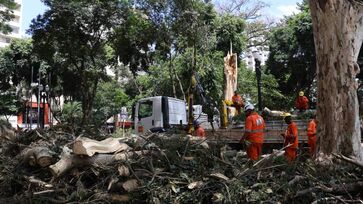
{"x": 159, "y": 113}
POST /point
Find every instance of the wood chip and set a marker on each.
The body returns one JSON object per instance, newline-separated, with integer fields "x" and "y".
{"x": 196, "y": 184}
{"x": 130, "y": 185}
{"x": 220, "y": 176}
{"x": 123, "y": 170}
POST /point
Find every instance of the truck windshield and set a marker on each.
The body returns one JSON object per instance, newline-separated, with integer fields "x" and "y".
{"x": 145, "y": 109}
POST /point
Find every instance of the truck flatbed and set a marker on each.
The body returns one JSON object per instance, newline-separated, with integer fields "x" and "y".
{"x": 272, "y": 132}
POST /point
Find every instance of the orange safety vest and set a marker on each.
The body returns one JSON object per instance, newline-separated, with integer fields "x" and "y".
{"x": 254, "y": 128}
{"x": 237, "y": 99}
{"x": 199, "y": 132}
{"x": 312, "y": 136}
{"x": 302, "y": 102}
{"x": 291, "y": 136}
{"x": 312, "y": 130}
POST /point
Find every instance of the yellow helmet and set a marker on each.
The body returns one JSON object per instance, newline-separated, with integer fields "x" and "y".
{"x": 284, "y": 115}
{"x": 301, "y": 93}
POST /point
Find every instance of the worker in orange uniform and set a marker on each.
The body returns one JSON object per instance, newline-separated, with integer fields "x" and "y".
{"x": 302, "y": 102}
{"x": 312, "y": 135}
{"x": 290, "y": 138}
{"x": 254, "y": 132}
{"x": 198, "y": 130}
{"x": 237, "y": 102}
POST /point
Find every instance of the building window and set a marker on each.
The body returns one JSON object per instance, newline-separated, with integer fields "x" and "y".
{"x": 7, "y": 40}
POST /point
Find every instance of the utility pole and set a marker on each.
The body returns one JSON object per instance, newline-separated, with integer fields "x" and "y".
{"x": 257, "y": 57}
{"x": 258, "y": 76}
{"x": 38, "y": 101}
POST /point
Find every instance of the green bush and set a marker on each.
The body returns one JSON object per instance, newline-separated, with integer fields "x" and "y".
{"x": 71, "y": 113}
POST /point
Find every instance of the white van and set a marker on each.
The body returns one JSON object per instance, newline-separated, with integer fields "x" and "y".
{"x": 159, "y": 113}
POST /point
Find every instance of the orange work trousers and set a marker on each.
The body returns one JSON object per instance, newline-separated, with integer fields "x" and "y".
{"x": 312, "y": 145}
{"x": 254, "y": 151}
{"x": 290, "y": 154}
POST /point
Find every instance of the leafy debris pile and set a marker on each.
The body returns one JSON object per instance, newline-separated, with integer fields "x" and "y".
{"x": 167, "y": 168}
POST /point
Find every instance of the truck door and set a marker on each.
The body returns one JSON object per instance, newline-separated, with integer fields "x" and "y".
{"x": 144, "y": 116}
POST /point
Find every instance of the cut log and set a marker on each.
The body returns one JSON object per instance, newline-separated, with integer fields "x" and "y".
{"x": 38, "y": 156}
{"x": 273, "y": 113}
{"x": 86, "y": 146}
{"x": 69, "y": 161}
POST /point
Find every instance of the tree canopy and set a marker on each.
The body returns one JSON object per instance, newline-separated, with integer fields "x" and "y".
{"x": 292, "y": 53}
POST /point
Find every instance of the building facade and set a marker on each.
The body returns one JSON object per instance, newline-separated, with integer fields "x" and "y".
{"x": 15, "y": 24}
{"x": 250, "y": 60}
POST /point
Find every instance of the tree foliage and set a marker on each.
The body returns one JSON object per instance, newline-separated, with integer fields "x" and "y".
{"x": 109, "y": 99}
{"x": 72, "y": 37}
{"x": 292, "y": 53}
{"x": 16, "y": 62}
{"x": 6, "y": 15}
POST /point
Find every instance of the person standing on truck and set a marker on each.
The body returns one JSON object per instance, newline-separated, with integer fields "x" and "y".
{"x": 237, "y": 101}
{"x": 312, "y": 135}
{"x": 198, "y": 130}
{"x": 290, "y": 136}
{"x": 302, "y": 102}
{"x": 254, "y": 132}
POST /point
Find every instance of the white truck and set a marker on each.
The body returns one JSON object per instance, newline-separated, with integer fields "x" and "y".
{"x": 158, "y": 113}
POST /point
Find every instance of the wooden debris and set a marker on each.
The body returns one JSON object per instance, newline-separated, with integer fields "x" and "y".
{"x": 38, "y": 156}
{"x": 217, "y": 198}
{"x": 123, "y": 170}
{"x": 295, "y": 180}
{"x": 352, "y": 187}
{"x": 37, "y": 182}
{"x": 89, "y": 147}
{"x": 120, "y": 198}
{"x": 196, "y": 184}
{"x": 130, "y": 185}
{"x": 219, "y": 176}
{"x": 350, "y": 160}
{"x": 272, "y": 113}
{"x": 69, "y": 161}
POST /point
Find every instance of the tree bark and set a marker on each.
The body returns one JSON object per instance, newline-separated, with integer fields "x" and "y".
{"x": 86, "y": 146}
{"x": 69, "y": 161}
{"x": 171, "y": 74}
{"x": 38, "y": 156}
{"x": 230, "y": 75}
{"x": 338, "y": 34}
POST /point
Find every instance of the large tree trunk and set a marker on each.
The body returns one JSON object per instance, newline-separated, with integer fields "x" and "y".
{"x": 338, "y": 33}
{"x": 230, "y": 75}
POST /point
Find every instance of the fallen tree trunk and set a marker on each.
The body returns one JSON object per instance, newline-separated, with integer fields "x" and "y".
{"x": 69, "y": 161}
{"x": 89, "y": 147}
{"x": 38, "y": 156}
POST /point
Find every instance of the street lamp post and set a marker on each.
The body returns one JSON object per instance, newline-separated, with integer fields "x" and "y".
{"x": 45, "y": 97}
{"x": 257, "y": 57}
{"x": 40, "y": 89}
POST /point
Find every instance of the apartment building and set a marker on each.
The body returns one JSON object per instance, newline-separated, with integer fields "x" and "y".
{"x": 15, "y": 24}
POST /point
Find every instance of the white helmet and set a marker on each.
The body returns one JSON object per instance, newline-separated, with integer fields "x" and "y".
{"x": 249, "y": 107}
